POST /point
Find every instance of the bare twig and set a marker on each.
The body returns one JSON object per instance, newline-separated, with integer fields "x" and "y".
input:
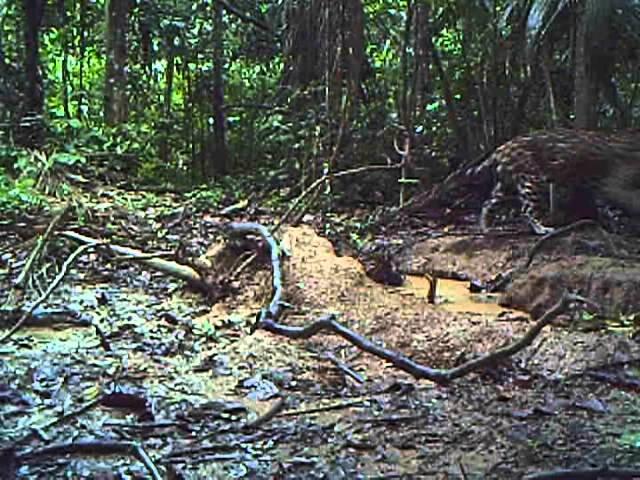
{"x": 326, "y": 408}
{"x": 37, "y": 251}
{"x": 463, "y": 472}
{"x": 268, "y": 320}
{"x": 586, "y": 474}
{"x": 63, "y": 418}
{"x": 95, "y": 448}
{"x": 344, "y": 368}
{"x": 25, "y": 275}
{"x": 329, "y": 176}
{"x": 56, "y": 281}
{"x": 405, "y": 156}
{"x": 562, "y": 231}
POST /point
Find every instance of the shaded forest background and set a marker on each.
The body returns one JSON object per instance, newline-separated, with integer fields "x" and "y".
{"x": 281, "y": 92}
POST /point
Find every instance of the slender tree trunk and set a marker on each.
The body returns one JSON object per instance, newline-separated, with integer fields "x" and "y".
{"x": 189, "y": 116}
{"x": 62, "y": 11}
{"x": 452, "y": 111}
{"x": 34, "y": 88}
{"x": 116, "y": 102}
{"x": 146, "y": 36}
{"x": 585, "y": 93}
{"x": 404, "y": 66}
{"x": 34, "y": 94}
{"x": 545, "y": 63}
{"x": 220, "y": 162}
{"x": 355, "y": 48}
{"x": 331, "y": 44}
{"x": 83, "y": 48}
{"x": 3, "y": 63}
{"x": 165, "y": 148}
{"x": 422, "y": 59}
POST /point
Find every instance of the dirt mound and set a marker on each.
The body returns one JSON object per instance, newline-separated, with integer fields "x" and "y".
{"x": 602, "y": 268}
{"x": 317, "y": 282}
{"x": 478, "y": 257}
{"x": 612, "y": 283}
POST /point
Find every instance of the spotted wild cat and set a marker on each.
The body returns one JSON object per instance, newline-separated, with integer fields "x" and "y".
{"x": 544, "y": 165}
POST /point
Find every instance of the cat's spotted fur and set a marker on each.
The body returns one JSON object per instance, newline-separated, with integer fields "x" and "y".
{"x": 605, "y": 164}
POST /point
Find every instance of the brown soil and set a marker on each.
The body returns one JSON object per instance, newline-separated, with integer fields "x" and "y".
{"x": 568, "y": 401}
{"x": 542, "y": 410}
{"x": 604, "y": 269}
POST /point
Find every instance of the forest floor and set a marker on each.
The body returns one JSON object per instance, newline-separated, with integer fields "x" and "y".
{"x": 184, "y": 377}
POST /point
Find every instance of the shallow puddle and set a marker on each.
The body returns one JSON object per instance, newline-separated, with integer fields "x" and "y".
{"x": 454, "y": 296}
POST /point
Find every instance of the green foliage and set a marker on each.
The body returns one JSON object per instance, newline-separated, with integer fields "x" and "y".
{"x": 18, "y": 195}
{"x": 631, "y": 440}
{"x": 206, "y": 196}
{"x": 271, "y": 126}
{"x": 34, "y": 175}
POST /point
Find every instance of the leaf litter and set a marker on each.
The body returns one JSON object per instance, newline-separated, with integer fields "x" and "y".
{"x": 186, "y": 380}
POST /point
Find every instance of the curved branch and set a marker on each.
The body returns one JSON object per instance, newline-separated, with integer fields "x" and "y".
{"x": 563, "y": 230}
{"x": 275, "y": 306}
{"x": 268, "y": 320}
{"x": 586, "y": 474}
{"x": 56, "y": 281}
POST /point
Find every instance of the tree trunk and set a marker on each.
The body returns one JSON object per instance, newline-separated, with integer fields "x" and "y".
{"x": 404, "y": 67}
{"x": 303, "y": 35}
{"x": 116, "y": 102}
{"x": 355, "y": 58}
{"x": 188, "y": 101}
{"x": 81, "y": 60}
{"x": 585, "y": 92}
{"x": 62, "y": 11}
{"x": 220, "y": 162}
{"x": 334, "y": 31}
{"x": 33, "y": 134}
{"x": 450, "y": 105}
{"x": 165, "y": 147}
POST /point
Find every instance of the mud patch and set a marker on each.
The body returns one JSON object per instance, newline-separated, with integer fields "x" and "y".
{"x": 317, "y": 282}
{"x": 535, "y": 411}
{"x": 479, "y": 257}
{"x": 605, "y": 269}
{"x": 612, "y": 283}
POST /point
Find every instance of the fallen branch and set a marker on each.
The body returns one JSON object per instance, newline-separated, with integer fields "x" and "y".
{"x": 53, "y": 318}
{"x": 94, "y": 448}
{"x": 268, "y": 320}
{"x": 439, "y": 376}
{"x": 586, "y": 474}
{"x": 275, "y": 306}
{"x": 325, "y": 408}
{"x": 344, "y": 368}
{"x": 564, "y": 230}
{"x": 183, "y": 272}
{"x": 56, "y": 281}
